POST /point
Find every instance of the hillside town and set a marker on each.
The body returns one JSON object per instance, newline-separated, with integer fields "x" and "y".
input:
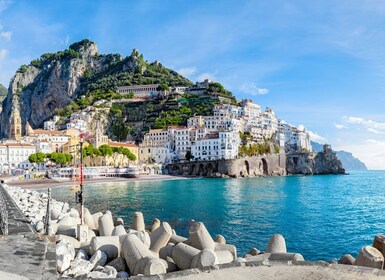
{"x": 227, "y": 134}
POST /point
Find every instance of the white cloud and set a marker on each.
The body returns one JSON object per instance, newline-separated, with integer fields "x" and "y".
{"x": 251, "y": 88}
{"x": 317, "y": 138}
{"x": 187, "y": 71}
{"x": 205, "y": 76}
{"x": 377, "y": 142}
{"x": 372, "y": 126}
{"x": 6, "y": 35}
{"x": 375, "y": 131}
{"x": 339, "y": 126}
{"x": 3, "y": 54}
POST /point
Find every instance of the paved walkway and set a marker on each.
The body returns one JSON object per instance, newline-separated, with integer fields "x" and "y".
{"x": 17, "y": 222}
{"x": 22, "y": 252}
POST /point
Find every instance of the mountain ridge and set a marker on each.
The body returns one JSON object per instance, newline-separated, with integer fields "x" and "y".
{"x": 70, "y": 80}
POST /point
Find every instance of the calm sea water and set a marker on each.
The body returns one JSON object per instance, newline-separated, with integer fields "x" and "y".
{"x": 321, "y": 217}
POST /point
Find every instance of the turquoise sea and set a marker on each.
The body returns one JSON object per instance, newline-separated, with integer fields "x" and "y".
{"x": 321, "y": 217}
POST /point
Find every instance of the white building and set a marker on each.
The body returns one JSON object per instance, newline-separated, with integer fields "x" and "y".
{"x": 14, "y": 156}
{"x": 43, "y": 146}
{"x": 250, "y": 109}
{"x": 206, "y": 148}
{"x": 79, "y": 124}
{"x": 154, "y": 154}
{"x": 50, "y": 125}
{"x": 228, "y": 111}
{"x": 269, "y": 123}
{"x": 216, "y": 145}
{"x": 215, "y": 123}
{"x": 294, "y": 138}
{"x": 182, "y": 141}
{"x": 156, "y": 146}
{"x": 140, "y": 90}
{"x": 55, "y": 138}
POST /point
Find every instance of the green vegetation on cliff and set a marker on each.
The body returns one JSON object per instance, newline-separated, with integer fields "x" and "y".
{"x": 3, "y": 90}
{"x": 70, "y": 80}
{"x": 135, "y": 118}
{"x": 133, "y": 70}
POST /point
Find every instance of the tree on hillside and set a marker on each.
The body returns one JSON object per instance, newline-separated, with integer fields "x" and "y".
{"x": 126, "y": 152}
{"x": 117, "y": 151}
{"x": 163, "y": 87}
{"x": 105, "y": 151}
{"x": 60, "y": 158}
{"x": 189, "y": 155}
{"x": 37, "y": 158}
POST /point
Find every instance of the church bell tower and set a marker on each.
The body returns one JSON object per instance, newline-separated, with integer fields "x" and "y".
{"x": 15, "y": 126}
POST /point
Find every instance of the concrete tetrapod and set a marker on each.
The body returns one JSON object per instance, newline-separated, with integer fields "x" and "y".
{"x": 160, "y": 237}
{"x": 166, "y": 251}
{"x": 224, "y": 256}
{"x": 199, "y": 237}
{"x": 106, "y": 225}
{"x": 347, "y": 259}
{"x": 107, "y": 244}
{"x": 286, "y": 257}
{"x": 88, "y": 219}
{"x": 96, "y": 217}
{"x": 138, "y": 222}
{"x": 118, "y": 230}
{"x": 137, "y": 254}
{"x": 143, "y": 236}
{"x": 155, "y": 224}
{"x": 183, "y": 255}
{"x": 119, "y": 222}
{"x": 150, "y": 266}
{"x": 379, "y": 242}
{"x": 370, "y": 257}
{"x": 276, "y": 244}
{"x": 220, "y": 239}
{"x": 177, "y": 239}
{"x": 226, "y": 247}
{"x": 205, "y": 258}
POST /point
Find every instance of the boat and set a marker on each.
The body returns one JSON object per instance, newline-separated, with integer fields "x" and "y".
{"x": 76, "y": 185}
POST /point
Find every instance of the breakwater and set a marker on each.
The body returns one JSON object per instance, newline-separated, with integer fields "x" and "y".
{"x": 102, "y": 247}
{"x": 301, "y": 181}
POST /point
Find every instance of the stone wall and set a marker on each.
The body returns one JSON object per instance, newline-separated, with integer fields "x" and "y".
{"x": 264, "y": 165}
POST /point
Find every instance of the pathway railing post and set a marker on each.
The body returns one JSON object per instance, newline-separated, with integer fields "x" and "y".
{"x": 48, "y": 228}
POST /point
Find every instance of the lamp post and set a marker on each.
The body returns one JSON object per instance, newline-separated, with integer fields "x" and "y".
{"x": 79, "y": 194}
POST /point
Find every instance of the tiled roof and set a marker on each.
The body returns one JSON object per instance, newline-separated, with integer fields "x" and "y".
{"x": 120, "y": 144}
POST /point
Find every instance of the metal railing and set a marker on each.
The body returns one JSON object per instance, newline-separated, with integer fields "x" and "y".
{"x": 3, "y": 215}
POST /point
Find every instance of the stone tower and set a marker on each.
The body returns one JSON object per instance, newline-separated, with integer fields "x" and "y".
{"x": 15, "y": 126}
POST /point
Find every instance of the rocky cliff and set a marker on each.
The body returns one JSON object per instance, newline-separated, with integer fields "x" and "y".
{"x": 347, "y": 159}
{"x": 324, "y": 162}
{"x": 54, "y": 80}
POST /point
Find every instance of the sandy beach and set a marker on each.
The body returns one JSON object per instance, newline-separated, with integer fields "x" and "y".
{"x": 35, "y": 184}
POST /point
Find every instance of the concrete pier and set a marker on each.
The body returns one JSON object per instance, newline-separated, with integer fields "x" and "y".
{"x": 26, "y": 254}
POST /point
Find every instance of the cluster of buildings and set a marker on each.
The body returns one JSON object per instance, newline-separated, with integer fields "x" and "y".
{"x": 203, "y": 138}
{"x": 218, "y": 136}
{"x": 14, "y": 152}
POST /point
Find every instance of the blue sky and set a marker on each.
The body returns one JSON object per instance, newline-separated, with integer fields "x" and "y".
{"x": 320, "y": 64}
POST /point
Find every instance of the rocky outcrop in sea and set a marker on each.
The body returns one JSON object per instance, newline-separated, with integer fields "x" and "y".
{"x": 324, "y": 162}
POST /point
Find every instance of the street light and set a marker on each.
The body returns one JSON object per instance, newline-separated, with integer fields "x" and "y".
{"x": 79, "y": 194}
